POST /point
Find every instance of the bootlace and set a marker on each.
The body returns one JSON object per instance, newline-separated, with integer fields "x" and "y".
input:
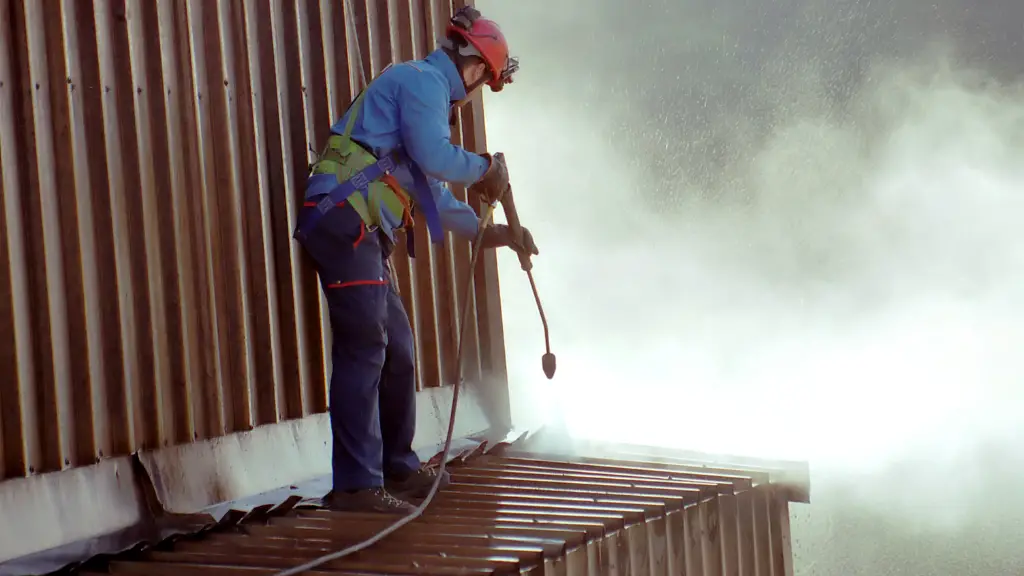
{"x": 387, "y": 498}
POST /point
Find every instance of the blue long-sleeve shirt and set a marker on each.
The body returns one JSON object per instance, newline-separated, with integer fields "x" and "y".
{"x": 408, "y": 106}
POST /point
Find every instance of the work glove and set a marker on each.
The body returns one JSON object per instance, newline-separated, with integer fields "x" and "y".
{"x": 500, "y": 235}
{"x": 495, "y": 181}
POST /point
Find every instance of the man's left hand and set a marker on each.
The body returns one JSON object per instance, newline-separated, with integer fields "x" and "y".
{"x": 500, "y": 235}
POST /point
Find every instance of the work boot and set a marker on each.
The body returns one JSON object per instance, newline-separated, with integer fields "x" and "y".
{"x": 415, "y": 484}
{"x": 368, "y": 500}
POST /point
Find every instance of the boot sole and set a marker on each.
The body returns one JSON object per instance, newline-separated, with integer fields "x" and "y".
{"x": 371, "y": 510}
{"x": 419, "y": 493}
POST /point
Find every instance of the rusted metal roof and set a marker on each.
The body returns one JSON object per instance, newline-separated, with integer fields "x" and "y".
{"x": 512, "y": 511}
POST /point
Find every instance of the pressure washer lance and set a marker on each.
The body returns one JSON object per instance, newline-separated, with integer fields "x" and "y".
{"x": 547, "y": 361}
{"x": 484, "y": 223}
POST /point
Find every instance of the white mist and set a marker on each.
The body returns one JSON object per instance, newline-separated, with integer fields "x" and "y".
{"x": 848, "y": 290}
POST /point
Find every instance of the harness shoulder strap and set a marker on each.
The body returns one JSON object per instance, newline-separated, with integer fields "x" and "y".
{"x": 423, "y": 195}
{"x": 353, "y": 111}
{"x": 358, "y": 201}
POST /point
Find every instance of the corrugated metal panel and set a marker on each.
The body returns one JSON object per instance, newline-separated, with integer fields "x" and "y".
{"x": 527, "y": 514}
{"x": 151, "y": 156}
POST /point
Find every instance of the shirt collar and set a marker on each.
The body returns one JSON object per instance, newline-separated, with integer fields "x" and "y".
{"x": 440, "y": 60}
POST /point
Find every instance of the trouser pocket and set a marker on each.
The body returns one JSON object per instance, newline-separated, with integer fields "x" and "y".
{"x": 344, "y": 251}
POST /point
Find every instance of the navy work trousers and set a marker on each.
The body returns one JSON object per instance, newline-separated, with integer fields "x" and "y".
{"x": 372, "y": 395}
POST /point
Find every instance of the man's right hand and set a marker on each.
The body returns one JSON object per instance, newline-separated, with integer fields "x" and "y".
{"x": 494, "y": 182}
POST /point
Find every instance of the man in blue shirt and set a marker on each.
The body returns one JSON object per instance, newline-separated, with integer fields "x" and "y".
{"x": 388, "y": 155}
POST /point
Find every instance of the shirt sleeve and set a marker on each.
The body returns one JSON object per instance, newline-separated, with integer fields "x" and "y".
{"x": 423, "y": 108}
{"x": 457, "y": 217}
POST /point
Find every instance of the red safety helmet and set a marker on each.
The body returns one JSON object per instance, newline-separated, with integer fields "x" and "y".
{"x": 484, "y": 38}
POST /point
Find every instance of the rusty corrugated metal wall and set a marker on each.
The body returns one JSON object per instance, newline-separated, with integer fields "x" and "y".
{"x": 152, "y": 158}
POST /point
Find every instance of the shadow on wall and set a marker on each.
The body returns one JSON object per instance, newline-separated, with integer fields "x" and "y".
{"x": 785, "y": 229}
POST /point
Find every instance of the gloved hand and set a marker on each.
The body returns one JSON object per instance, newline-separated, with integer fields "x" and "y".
{"x": 494, "y": 182}
{"x": 500, "y": 235}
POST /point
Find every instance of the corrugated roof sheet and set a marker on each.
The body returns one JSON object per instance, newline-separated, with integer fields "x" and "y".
{"x": 514, "y": 511}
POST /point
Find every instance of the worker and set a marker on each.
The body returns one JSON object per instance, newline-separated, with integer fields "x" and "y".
{"x": 387, "y": 156}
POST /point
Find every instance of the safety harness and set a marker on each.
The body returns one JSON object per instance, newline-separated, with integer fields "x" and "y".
{"x": 347, "y": 173}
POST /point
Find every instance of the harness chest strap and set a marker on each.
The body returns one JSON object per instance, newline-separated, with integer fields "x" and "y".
{"x": 384, "y": 190}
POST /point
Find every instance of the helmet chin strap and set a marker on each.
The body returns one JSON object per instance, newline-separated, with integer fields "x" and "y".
{"x": 462, "y": 52}
{"x": 456, "y": 104}
{"x": 470, "y": 89}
